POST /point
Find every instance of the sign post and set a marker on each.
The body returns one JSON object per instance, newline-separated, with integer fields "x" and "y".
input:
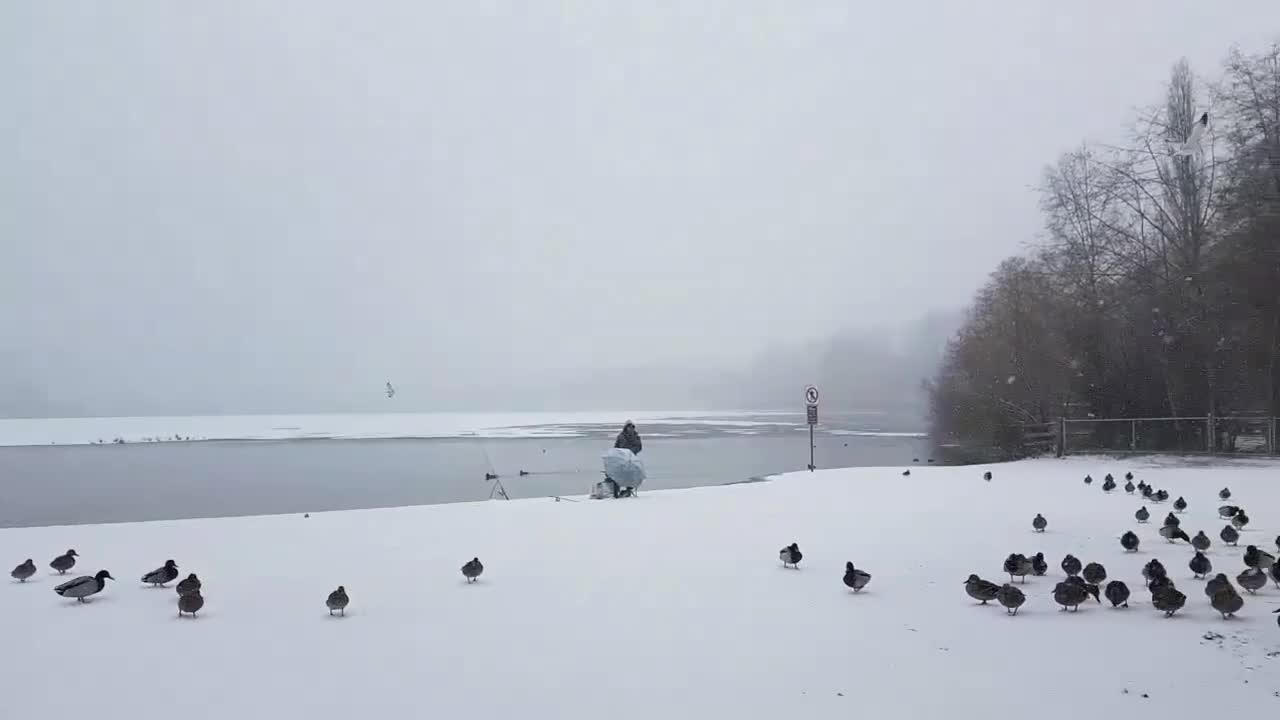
{"x": 811, "y": 416}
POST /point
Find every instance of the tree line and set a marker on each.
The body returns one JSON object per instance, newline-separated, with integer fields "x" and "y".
{"x": 1154, "y": 290}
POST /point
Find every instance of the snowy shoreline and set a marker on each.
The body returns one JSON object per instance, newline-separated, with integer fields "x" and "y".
{"x": 674, "y": 603}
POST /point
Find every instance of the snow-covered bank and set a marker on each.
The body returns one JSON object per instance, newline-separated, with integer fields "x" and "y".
{"x": 670, "y": 605}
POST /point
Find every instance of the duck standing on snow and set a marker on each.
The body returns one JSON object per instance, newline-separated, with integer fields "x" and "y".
{"x": 1226, "y": 512}
{"x": 1118, "y": 593}
{"x": 188, "y": 586}
{"x": 984, "y": 591}
{"x": 64, "y": 562}
{"x": 1168, "y": 600}
{"x": 1148, "y": 491}
{"x": 1252, "y": 579}
{"x": 1200, "y": 565}
{"x": 790, "y": 555}
{"x": 473, "y": 568}
{"x": 1088, "y": 479}
{"x": 1017, "y": 564}
{"x": 1227, "y": 601}
{"x": 1094, "y": 573}
{"x": 1142, "y": 515}
{"x": 1129, "y": 541}
{"x": 1224, "y": 494}
{"x": 1128, "y": 487}
{"x": 1071, "y": 565}
{"x": 190, "y": 603}
{"x": 1153, "y": 570}
{"x": 1039, "y": 523}
{"x": 1011, "y": 598}
{"x": 1173, "y": 532}
{"x": 1159, "y": 583}
{"x": 84, "y": 586}
{"x": 1070, "y": 595}
{"x": 1109, "y": 479}
{"x": 854, "y": 578}
{"x": 23, "y": 571}
{"x": 1172, "y": 520}
{"x": 162, "y": 575}
{"x": 1180, "y": 505}
{"x": 985, "y": 476}
{"x": 1108, "y": 485}
{"x": 1216, "y": 583}
{"x": 1229, "y": 535}
{"x": 1255, "y": 558}
{"x": 1128, "y": 476}
{"x": 338, "y": 600}
{"x": 1240, "y": 520}
{"x": 1200, "y": 541}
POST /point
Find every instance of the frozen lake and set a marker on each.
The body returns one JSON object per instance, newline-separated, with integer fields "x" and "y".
{"x": 317, "y": 463}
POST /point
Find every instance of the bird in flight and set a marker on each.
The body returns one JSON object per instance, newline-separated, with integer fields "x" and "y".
{"x": 1192, "y": 145}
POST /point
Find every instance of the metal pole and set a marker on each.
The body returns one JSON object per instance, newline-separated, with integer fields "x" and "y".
{"x": 1208, "y": 423}
{"x": 811, "y": 463}
{"x": 1133, "y": 434}
{"x": 1062, "y": 436}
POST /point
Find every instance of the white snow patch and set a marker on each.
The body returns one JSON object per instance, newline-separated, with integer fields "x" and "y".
{"x": 673, "y": 604}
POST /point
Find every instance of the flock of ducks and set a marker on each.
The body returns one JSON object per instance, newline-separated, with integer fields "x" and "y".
{"x": 1085, "y": 581}
{"x": 190, "y": 599}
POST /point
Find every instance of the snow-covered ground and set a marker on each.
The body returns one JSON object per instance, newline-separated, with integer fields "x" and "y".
{"x": 670, "y": 605}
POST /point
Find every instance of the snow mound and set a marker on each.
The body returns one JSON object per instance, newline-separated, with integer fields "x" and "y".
{"x": 673, "y": 604}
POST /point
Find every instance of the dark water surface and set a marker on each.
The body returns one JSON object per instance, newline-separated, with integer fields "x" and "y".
{"x": 73, "y": 484}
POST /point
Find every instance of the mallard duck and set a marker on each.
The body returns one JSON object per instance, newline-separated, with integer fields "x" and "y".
{"x": 84, "y": 586}
{"x": 854, "y": 578}
{"x": 23, "y": 571}
{"x": 64, "y": 562}
{"x": 162, "y": 575}
{"x": 984, "y": 591}
{"x": 338, "y": 600}
{"x": 789, "y": 555}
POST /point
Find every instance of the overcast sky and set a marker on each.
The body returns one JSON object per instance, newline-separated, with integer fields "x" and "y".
{"x": 215, "y": 201}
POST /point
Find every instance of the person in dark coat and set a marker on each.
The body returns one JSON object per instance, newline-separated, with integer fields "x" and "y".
{"x": 628, "y": 439}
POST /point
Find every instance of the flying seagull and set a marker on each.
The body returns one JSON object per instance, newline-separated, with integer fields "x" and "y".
{"x": 1192, "y": 146}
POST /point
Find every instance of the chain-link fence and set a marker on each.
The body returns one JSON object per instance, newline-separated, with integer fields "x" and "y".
{"x": 1245, "y": 435}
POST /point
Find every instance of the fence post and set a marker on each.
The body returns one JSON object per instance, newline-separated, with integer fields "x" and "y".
{"x": 1208, "y": 424}
{"x": 1062, "y": 436}
{"x": 1133, "y": 435}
